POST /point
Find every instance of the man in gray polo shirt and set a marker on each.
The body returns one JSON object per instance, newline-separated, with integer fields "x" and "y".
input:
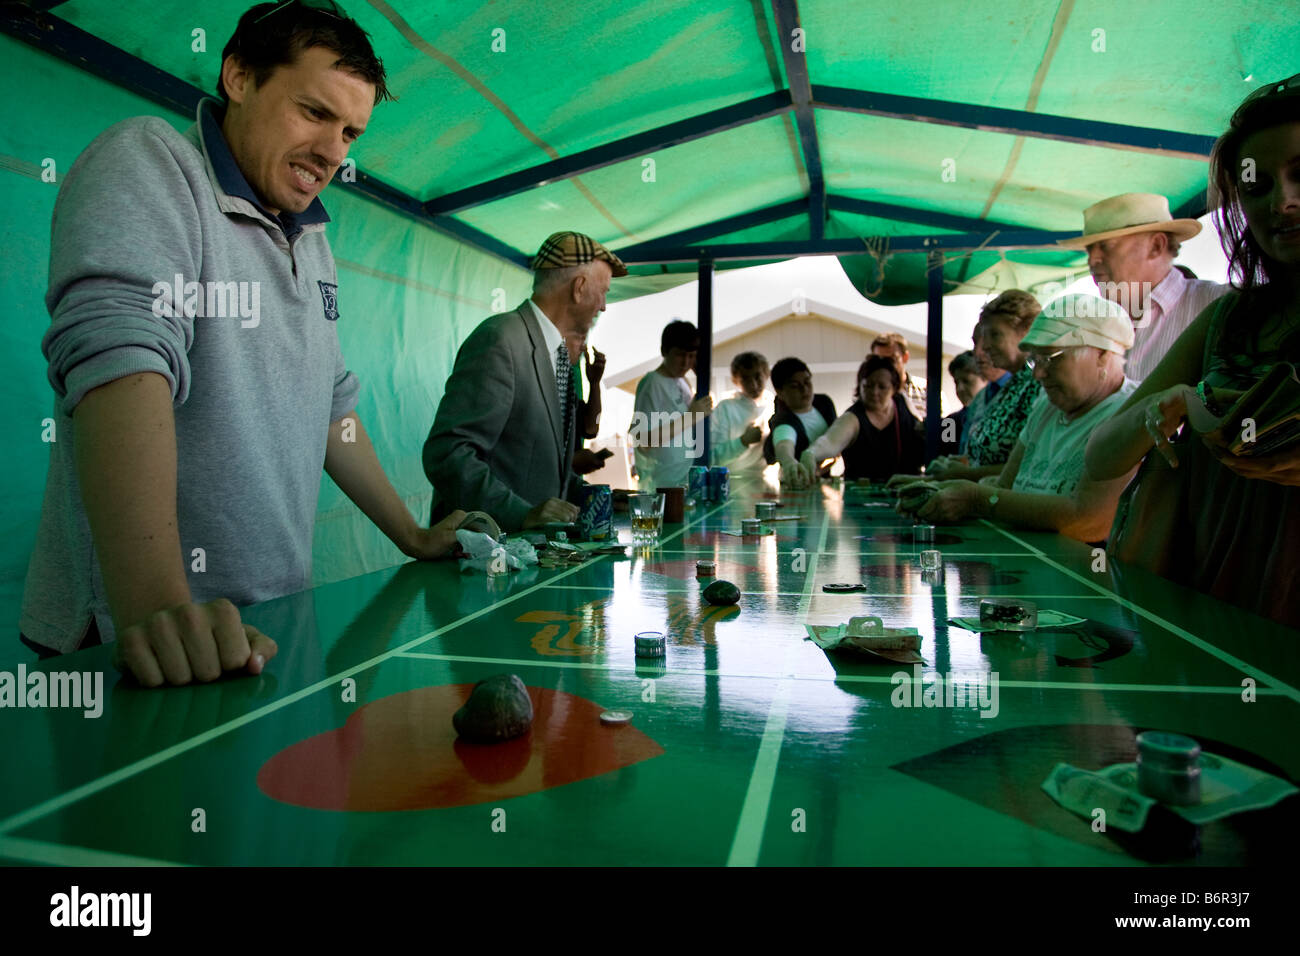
{"x": 195, "y": 360}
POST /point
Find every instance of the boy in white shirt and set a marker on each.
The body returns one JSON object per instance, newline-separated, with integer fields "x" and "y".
{"x": 665, "y": 429}
{"x": 734, "y": 431}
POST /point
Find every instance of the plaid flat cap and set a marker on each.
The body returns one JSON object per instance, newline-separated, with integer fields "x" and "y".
{"x": 561, "y": 250}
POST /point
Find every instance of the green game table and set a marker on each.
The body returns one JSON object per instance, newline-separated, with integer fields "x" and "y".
{"x": 749, "y": 745}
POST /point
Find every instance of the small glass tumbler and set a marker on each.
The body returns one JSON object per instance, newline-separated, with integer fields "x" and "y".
{"x": 647, "y": 511}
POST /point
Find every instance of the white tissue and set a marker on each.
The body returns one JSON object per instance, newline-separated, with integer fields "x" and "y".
{"x": 483, "y": 553}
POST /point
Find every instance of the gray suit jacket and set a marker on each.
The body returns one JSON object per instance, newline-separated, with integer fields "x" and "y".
{"x": 498, "y": 443}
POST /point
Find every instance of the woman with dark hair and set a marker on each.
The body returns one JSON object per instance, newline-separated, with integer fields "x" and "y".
{"x": 801, "y": 418}
{"x": 1238, "y": 516}
{"x": 878, "y": 436}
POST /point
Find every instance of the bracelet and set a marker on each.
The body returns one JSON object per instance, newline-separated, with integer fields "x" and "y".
{"x": 1206, "y": 394}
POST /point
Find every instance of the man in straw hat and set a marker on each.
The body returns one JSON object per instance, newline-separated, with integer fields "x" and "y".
{"x": 1132, "y": 241}
{"x": 504, "y": 433}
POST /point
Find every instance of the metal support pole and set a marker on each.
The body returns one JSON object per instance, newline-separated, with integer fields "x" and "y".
{"x": 704, "y": 357}
{"x": 933, "y": 351}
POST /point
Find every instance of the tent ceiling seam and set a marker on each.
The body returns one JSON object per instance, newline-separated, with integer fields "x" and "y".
{"x": 1031, "y": 103}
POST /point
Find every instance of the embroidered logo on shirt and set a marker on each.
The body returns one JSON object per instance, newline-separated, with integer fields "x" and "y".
{"x": 329, "y": 296}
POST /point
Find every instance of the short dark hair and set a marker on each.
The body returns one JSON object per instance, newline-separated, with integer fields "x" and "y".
{"x": 268, "y": 37}
{"x": 785, "y": 370}
{"x": 745, "y": 361}
{"x": 679, "y": 335}
{"x": 964, "y": 364}
{"x": 877, "y": 363}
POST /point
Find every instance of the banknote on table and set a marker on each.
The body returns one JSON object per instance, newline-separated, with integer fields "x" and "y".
{"x": 868, "y": 637}
{"x": 1083, "y": 792}
{"x": 1227, "y": 787}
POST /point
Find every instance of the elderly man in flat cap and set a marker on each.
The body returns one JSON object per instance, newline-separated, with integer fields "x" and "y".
{"x": 504, "y": 435}
{"x": 1132, "y": 241}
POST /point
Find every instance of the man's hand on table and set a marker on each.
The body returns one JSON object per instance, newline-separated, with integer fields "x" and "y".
{"x": 550, "y": 511}
{"x": 191, "y": 642}
{"x": 429, "y": 544}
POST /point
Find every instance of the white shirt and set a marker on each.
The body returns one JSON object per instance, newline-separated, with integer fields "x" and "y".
{"x": 727, "y": 423}
{"x": 666, "y": 465}
{"x": 550, "y": 335}
{"x": 814, "y": 426}
{"x": 1174, "y": 303}
{"x": 1053, "y": 461}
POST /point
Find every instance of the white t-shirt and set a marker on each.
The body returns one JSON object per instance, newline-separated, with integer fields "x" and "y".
{"x": 1053, "y": 461}
{"x": 727, "y": 423}
{"x": 668, "y": 465}
{"x": 814, "y": 426}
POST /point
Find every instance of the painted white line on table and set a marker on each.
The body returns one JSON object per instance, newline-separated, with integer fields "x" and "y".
{"x": 748, "y": 839}
{"x": 1229, "y": 659}
{"x": 46, "y": 807}
{"x": 58, "y": 854}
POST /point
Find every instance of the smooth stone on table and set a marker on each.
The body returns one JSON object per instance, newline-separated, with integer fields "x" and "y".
{"x": 722, "y": 593}
{"x": 498, "y": 709}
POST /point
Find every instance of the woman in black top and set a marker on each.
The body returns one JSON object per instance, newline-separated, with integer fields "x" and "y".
{"x": 878, "y": 436}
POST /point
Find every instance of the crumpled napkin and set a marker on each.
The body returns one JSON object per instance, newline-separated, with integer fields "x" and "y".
{"x": 482, "y": 550}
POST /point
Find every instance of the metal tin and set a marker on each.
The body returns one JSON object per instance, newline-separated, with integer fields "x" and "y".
{"x": 719, "y": 484}
{"x": 765, "y": 510}
{"x": 697, "y": 483}
{"x": 596, "y": 514}
{"x": 751, "y": 526}
{"x": 651, "y": 644}
{"x": 705, "y": 569}
{"x": 1168, "y": 768}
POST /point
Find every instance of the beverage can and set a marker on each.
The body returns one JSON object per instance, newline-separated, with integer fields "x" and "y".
{"x": 596, "y": 514}
{"x": 697, "y": 488}
{"x": 719, "y": 484}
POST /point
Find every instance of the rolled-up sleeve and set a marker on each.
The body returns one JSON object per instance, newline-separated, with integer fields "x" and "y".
{"x": 124, "y": 227}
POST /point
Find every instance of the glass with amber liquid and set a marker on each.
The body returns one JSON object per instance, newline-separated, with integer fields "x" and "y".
{"x": 647, "y": 511}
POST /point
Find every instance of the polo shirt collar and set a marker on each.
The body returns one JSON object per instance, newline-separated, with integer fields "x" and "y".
{"x": 230, "y": 179}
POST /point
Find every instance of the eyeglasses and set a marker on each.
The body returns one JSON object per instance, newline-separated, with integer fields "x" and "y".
{"x": 1037, "y": 360}
{"x": 327, "y": 7}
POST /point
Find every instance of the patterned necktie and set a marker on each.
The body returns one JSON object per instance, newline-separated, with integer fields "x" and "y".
{"x": 562, "y": 369}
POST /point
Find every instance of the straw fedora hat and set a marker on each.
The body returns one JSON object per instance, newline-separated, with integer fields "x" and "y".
{"x": 1130, "y": 213}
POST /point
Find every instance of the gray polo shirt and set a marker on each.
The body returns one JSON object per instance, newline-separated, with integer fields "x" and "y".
{"x": 162, "y": 260}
